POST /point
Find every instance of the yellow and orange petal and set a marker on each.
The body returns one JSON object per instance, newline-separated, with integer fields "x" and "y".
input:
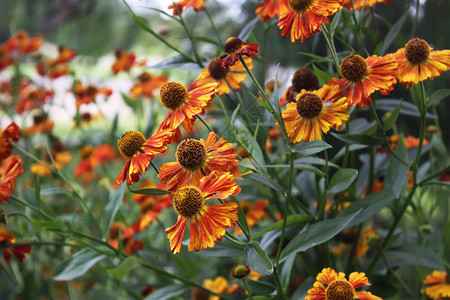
{"x": 332, "y": 285}
{"x": 304, "y": 17}
{"x": 207, "y": 222}
{"x": 19, "y": 251}
{"x": 418, "y": 62}
{"x": 438, "y": 286}
{"x": 8, "y": 135}
{"x": 269, "y": 9}
{"x": 315, "y": 112}
{"x": 41, "y": 124}
{"x": 359, "y": 4}
{"x": 362, "y": 77}
{"x": 184, "y": 104}
{"x": 5, "y": 58}
{"x": 21, "y": 43}
{"x": 181, "y": 5}
{"x": 146, "y": 85}
{"x": 139, "y": 152}
{"x": 65, "y": 54}
{"x": 125, "y": 61}
{"x": 236, "y": 48}
{"x": 10, "y": 168}
{"x": 196, "y": 158}
{"x": 225, "y": 77}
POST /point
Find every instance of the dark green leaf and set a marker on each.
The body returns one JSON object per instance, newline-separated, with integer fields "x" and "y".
{"x": 247, "y": 30}
{"x": 224, "y": 248}
{"x": 168, "y": 292}
{"x": 257, "y": 259}
{"x": 206, "y": 40}
{"x": 290, "y": 220}
{"x": 414, "y": 255}
{"x": 54, "y": 191}
{"x": 130, "y": 102}
{"x": 359, "y": 139}
{"x": 397, "y": 171}
{"x": 408, "y": 108}
{"x": 392, "y": 34}
{"x": 323, "y": 76}
{"x": 258, "y": 178}
{"x": 48, "y": 225}
{"x": 125, "y": 267}
{"x": 368, "y": 206}
{"x": 261, "y": 287}
{"x": 177, "y": 61}
{"x": 318, "y": 57}
{"x": 150, "y": 192}
{"x": 312, "y": 147}
{"x": 80, "y": 263}
{"x": 335, "y": 22}
{"x": 37, "y": 191}
{"x": 438, "y": 96}
{"x": 341, "y": 180}
{"x": 392, "y": 118}
{"x": 112, "y": 207}
{"x": 317, "y": 234}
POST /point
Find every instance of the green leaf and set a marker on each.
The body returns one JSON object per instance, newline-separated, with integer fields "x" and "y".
{"x": 392, "y": 34}
{"x": 54, "y": 191}
{"x": 128, "y": 101}
{"x": 125, "y": 267}
{"x": 261, "y": 287}
{"x": 258, "y": 178}
{"x": 224, "y": 248}
{"x": 318, "y": 57}
{"x": 39, "y": 225}
{"x": 37, "y": 192}
{"x": 408, "y": 108}
{"x": 416, "y": 94}
{"x": 312, "y": 147}
{"x": 368, "y": 206}
{"x": 317, "y": 234}
{"x": 290, "y": 220}
{"x": 241, "y": 215}
{"x": 206, "y": 40}
{"x": 414, "y": 255}
{"x": 257, "y": 259}
{"x": 359, "y": 139}
{"x": 177, "y": 61}
{"x": 335, "y": 22}
{"x": 438, "y": 96}
{"x": 247, "y": 30}
{"x": 392, "y": 118}
{"x": 397, "y": 171}
{"x": 149, "y": 192}
{"x": 168, "y": 292}
{"x": 80, "y": 263}
{"x": 323, "y": 76}
{"x": 341, "y": 180}
{"x": 112, "y": 207}
{"x": 247, "y": 163}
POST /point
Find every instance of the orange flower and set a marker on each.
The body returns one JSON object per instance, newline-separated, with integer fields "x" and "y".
{"x": 183, "y": 4}
{"x": 410, "y": 141}
{"x": 41, "y": 123}
{"x": 359, "y": 4}
{"x": 417, "y": 62}
{"x": 5, "y": 58}
{"x": 31, "y": 97}
{"x": 91, "y": 158}
{"x": 218, "y": 285}
{"x": 184, "y": 104}
{"x": 65, "y": 54}
{"x": 52, "y": 69}
{"x": 10, "y": 168}
{"x": 236, "y": 48}
{"x": 146, "y": 85}
{"x": 125, "y": 61}
{"x": 189, "y": 203}
{"x": 139, "y": 152}
{"x": 8, "y": 135}
{"x": 338, "y": 287}
{"x": 303, "y": 79}
{"x": 225, "y": 77}
{"x": 87, "y": 94}
{"x": 21, "y": 43}
{"x": 19, "y": 251}
{"x": 197, "y": 158}
{"x": 254, "y": 212}
{"x": 268, "y": 9}
{"x": 438, "y": 285}
{"x": 362, "y": 77}
{"x": 313, "y": 113}
{"x": 304, "y": 17}
{"x": 348, "y": 236}
{"x": 130, "y": 246}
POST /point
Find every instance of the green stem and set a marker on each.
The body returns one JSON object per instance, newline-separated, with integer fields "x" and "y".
{"x": 323, "y": 199}
{"x": 194, "y": 48}
{"x": 204, "y": 123}
{"x": 244, "y": 280}
{"x": 211, "y": 21}
{"x": 286, "y": 208}
{"x": 278, "y": 282}
{"x": 154, "y": 166}
{"x": 422, "y": 124}
{"x": 12, "y": 196}
{"x": 330, "y": 45}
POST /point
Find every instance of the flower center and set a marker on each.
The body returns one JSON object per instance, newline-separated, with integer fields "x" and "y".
{"x": 309, "y": 105}
{"x": 300, "y": 5}
{"x": 417, "y": 51}
{"x": 172, "y": 94}
{"x": 130, "y": 143}
{"x": 353, "y": 68}
{"x": 216, "y": 70}
{"x": 232, "y": 44}
{"x": 340, "y": 290}
{"x": 304, "y": 79}
{"x": 191, "y": 154}
{"x": 188, "y": 201}
{"x": 144, "y": 77}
